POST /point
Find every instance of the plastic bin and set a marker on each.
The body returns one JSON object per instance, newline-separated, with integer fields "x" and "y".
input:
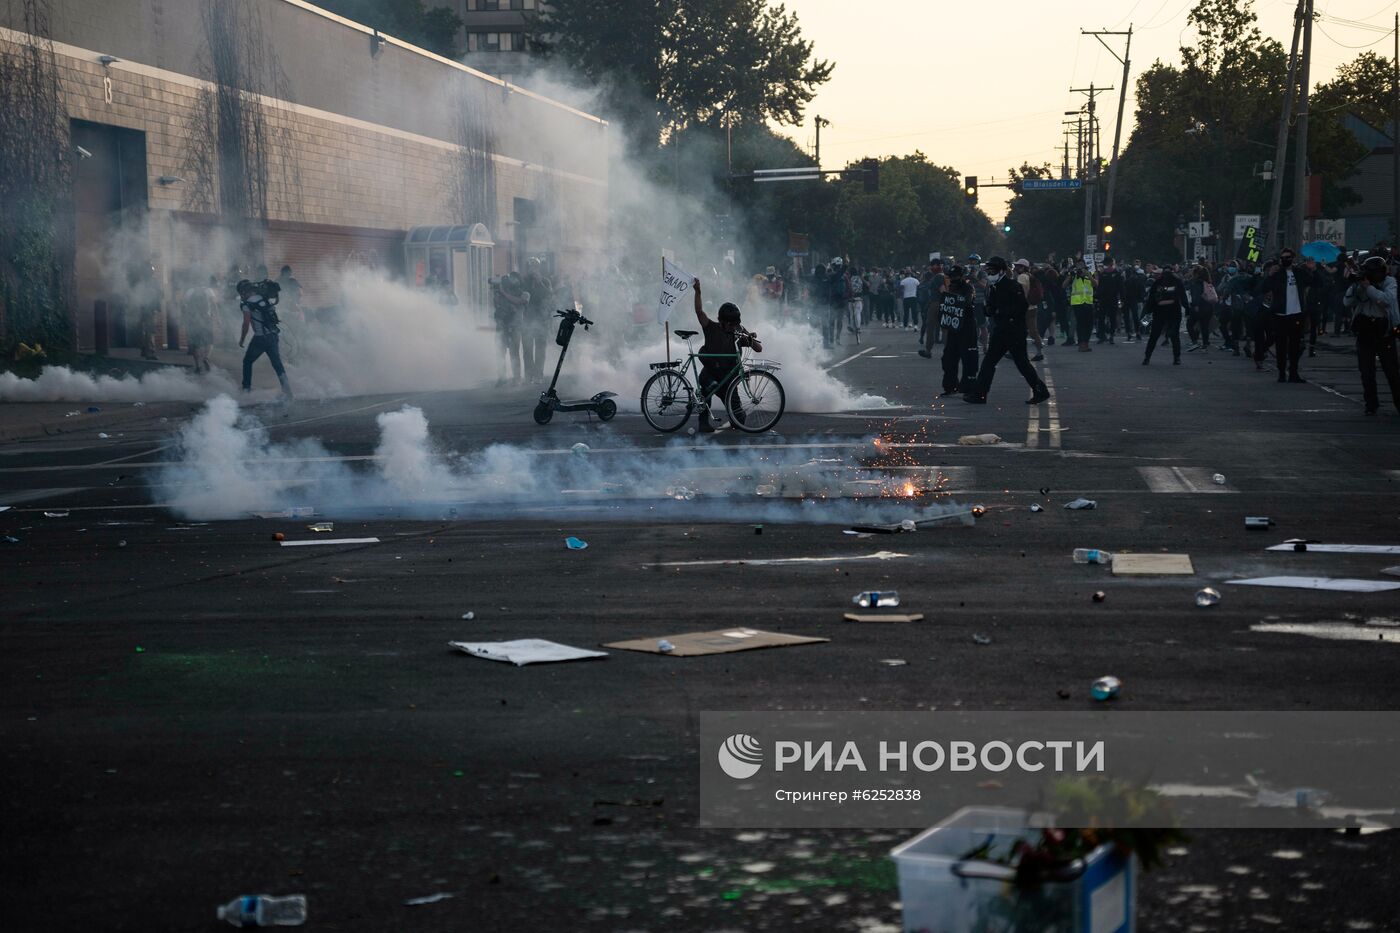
{"x": 944, "y": 893}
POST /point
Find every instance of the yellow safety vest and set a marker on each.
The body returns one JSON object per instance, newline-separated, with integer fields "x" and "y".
{"x": 1081, "y": 292}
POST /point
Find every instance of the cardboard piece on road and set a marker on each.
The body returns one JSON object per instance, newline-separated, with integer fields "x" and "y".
{"x": 884, "y": 617}
{"x": 1321, "y": 583}
{"x": 524, "y": 651}
{"x": 720, "y": 641}
{"x": 1315, "y": 548}
{"x": 1141, "y": 565}
{"x": 330, "y": 541}
{"x": 977, "y": 440}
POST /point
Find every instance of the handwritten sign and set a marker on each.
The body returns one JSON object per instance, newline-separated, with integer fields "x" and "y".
{"x": 1249, "y": 249}
{"x": 675, "y": 285}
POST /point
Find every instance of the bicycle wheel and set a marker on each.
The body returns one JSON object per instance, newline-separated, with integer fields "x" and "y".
{"x": 667, "y": 401}
{"x": 755, "y": 401}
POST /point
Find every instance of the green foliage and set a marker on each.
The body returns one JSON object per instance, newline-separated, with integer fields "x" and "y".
{"x": 676, "y": 64}
{"x": 437, "y": 29}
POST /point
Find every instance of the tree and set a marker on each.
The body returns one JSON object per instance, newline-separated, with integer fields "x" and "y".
{"x": 1043, "y": 222}
{"x": 438, "y": 30}
{"x": 670, "y": 65}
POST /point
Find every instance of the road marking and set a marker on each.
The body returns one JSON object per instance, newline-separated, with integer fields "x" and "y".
{"x": 1053, "y": 404}
{"x": 1181, "y": 479}
{"x": 852, "y": 357}
{"x": 311, "y": 541}
{"x": 878, "y": 555}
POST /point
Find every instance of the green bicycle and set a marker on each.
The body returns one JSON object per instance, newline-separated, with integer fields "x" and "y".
{"x": 754, "y": 397}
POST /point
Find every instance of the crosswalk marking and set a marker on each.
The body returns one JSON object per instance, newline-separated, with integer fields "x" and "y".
{"x": 1181, "y": 479}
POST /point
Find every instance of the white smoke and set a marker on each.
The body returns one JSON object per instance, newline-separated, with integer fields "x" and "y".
{"x": 226, "y": 467}
{"x": 61, "y": 384}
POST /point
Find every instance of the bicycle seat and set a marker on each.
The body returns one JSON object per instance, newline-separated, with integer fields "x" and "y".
{"x": 685, "y": 334}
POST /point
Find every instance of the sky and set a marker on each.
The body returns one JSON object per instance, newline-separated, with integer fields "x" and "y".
{"x": 984, "y": 87}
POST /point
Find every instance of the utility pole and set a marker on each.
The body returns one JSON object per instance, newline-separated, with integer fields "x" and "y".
{"x": 1064, "y": 167}
{"x": 1394, "y": 132}
{"x": 1281, "y": 144}
{"x": 1300, "y": 142}
{"x": 1092, "y": 174}
{"x": 1122, "y": 99}
{"x": 820, "y": 122}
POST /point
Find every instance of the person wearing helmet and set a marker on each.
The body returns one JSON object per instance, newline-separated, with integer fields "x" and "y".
{"x": 719, "y": 356}
{"x": 260, "y": 316}
{"x": 1006, "y": 314}
{"x": 1371, "y": 295}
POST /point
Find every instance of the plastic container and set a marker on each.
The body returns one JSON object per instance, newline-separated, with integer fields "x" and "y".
{"x": 1089, "y": 555}
{"x": 944, "y": 893}
{"x": 264, "y": 910}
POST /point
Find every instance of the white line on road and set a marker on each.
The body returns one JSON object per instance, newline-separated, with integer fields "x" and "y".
{"x": 311, "y": 541}
{"x": 849, "y": 358}
{"x": 1181, "y": 479}
{"x": 1053, "y": 404}
{"x": 878, "y": 555}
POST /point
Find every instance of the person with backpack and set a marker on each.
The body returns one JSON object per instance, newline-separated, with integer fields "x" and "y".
{"x": 1166, "y": 299}
{"x": 259, "y": 304}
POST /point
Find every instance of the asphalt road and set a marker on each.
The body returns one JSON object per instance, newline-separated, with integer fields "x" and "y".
{"x": 191, "y": 712}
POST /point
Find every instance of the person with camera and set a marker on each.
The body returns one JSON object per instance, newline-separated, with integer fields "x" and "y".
{"x": 259, "y": 303}
{"x": 1371, "y": 295}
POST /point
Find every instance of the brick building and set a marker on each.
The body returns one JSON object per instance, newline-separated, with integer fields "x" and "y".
{"x": 360, "y": 139}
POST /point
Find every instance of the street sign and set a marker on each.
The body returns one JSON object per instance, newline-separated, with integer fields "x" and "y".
{"x": 1204, "y": 252}
{"x": 1051, "y": 184}
{"x": 1245, "y": 221}
{"x": 1091, "y": 242}
{"x": 1197, "y": 229}
{"x": 1098, "y": 258}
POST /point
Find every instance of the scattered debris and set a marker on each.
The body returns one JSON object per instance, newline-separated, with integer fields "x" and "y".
{"x": 768, "y": 561}
{"x": 330, "y": 541}
{"x": 1218, "y": 479}
{"x": 278, "y": 536}
{"x": 63, "y": 513}
{"x": 1106, "y": 688}
{"x": 1045, "y": 490}
{"x": 1140, "y": 565}
{"x": 980, "y": 639}
{"x": 1258, "y": 522}
{"x": 765, "y": 489}
{"x": 468, "y": 616}
{"x": 1089, "y": 555}
{"x": 575, "y": 544}
{"x": 1100, "y": 596}
{"x": 1062, "y": 693}
{"x": 883, "y": 617}
{"x": 522, "y": 651}
{"x": 580, "y": 449}
{"x": 10, "y": 539}
{"x": 93, "y": 409}
{"x": 758, "y": 529}
{"x": 430, "y": 898}
{"x": 665, "y": 647}
{"x": 1344, "y": 585}
{"x": 321, "y": 526}
{"x": 893, "y": 662}
{"x": 262, "y": 910}
{"x": 1082, "y": 503}
{"x": 103, "y": 435}
{"x": 1317, "y": 547}
{"x": 1036, "y": 508}
{"x": 1208, "y": 597}
{"x": 881, "y": 600}
{"x": 720, "y": 641}
{"x": 976, "y": 440}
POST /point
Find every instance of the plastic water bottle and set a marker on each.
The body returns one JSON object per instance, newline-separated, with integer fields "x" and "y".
{"x": 264, "y": 910}
{"x": 876, "y": 598}
{"x": 1089, "y": 555}
{"x": 1106, "y": 688}
{"x": 1208, "y": 597}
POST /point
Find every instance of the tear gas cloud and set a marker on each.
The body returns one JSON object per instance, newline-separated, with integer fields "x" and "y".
{"x": 226, "y": 467}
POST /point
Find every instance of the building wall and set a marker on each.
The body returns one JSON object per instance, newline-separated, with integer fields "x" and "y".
{"x": 366, "y": 144}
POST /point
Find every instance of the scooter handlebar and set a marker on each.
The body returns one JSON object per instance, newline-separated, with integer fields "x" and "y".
{"x": 575, "y": 317}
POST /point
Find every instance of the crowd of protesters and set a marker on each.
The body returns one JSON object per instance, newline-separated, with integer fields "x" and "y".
{"x": 1269, "y": 313}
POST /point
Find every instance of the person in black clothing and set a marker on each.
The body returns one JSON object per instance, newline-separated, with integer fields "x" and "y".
{"x": 959, "y": 324}
{"x": 1286, "y": 284}
{"x": 1006, "y": 314}
{"x": 1134, "y": 289}
{"x": 1108, "y": 295}
{"x": 719, "y": 357}
{"x": 1166, "y": 299}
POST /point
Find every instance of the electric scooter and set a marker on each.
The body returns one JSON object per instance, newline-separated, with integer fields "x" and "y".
{"x": 602, "y": 403}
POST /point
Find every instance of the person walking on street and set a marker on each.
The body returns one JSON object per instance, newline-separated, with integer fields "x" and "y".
{"x": 200, "y": 319}
{"x": 909, "y": 296}
{"x": 1031, "y": 289}
{"x": 956, "y": 318}
{"x": 1166, "y": 299}
{"x": 1287, "y": 284}
{"x": 1081, "y": 304}
{"x": 1006, "y": 314}
{"x": 1371, "y": 295}
{"x": 1109, "y": 296}
{"x": 507, "y": 301}
{"x": 260, "y": 316}
{"x": 538, "y": 316}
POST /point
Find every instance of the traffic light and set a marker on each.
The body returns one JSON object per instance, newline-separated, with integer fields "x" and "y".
{"x": 970, "y": 189}
{"x": 1006, "y": 228}
{"x": 1107, "y": 226}
{"x": 1107, "y": 246}
{"x": 872, "y": 175}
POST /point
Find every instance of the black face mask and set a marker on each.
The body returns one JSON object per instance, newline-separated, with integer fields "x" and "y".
{"x": 1286, "y": 261}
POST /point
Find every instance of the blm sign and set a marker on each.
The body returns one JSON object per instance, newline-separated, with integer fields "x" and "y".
{"x": 1249, "y": 249}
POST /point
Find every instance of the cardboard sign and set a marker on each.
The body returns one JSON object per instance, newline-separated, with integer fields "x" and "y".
{"x": 1141, "y": 565}
{"x": 721, "y": 641}
{"x": 1249, "y": 249}
{"x": 675, "y": 284}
